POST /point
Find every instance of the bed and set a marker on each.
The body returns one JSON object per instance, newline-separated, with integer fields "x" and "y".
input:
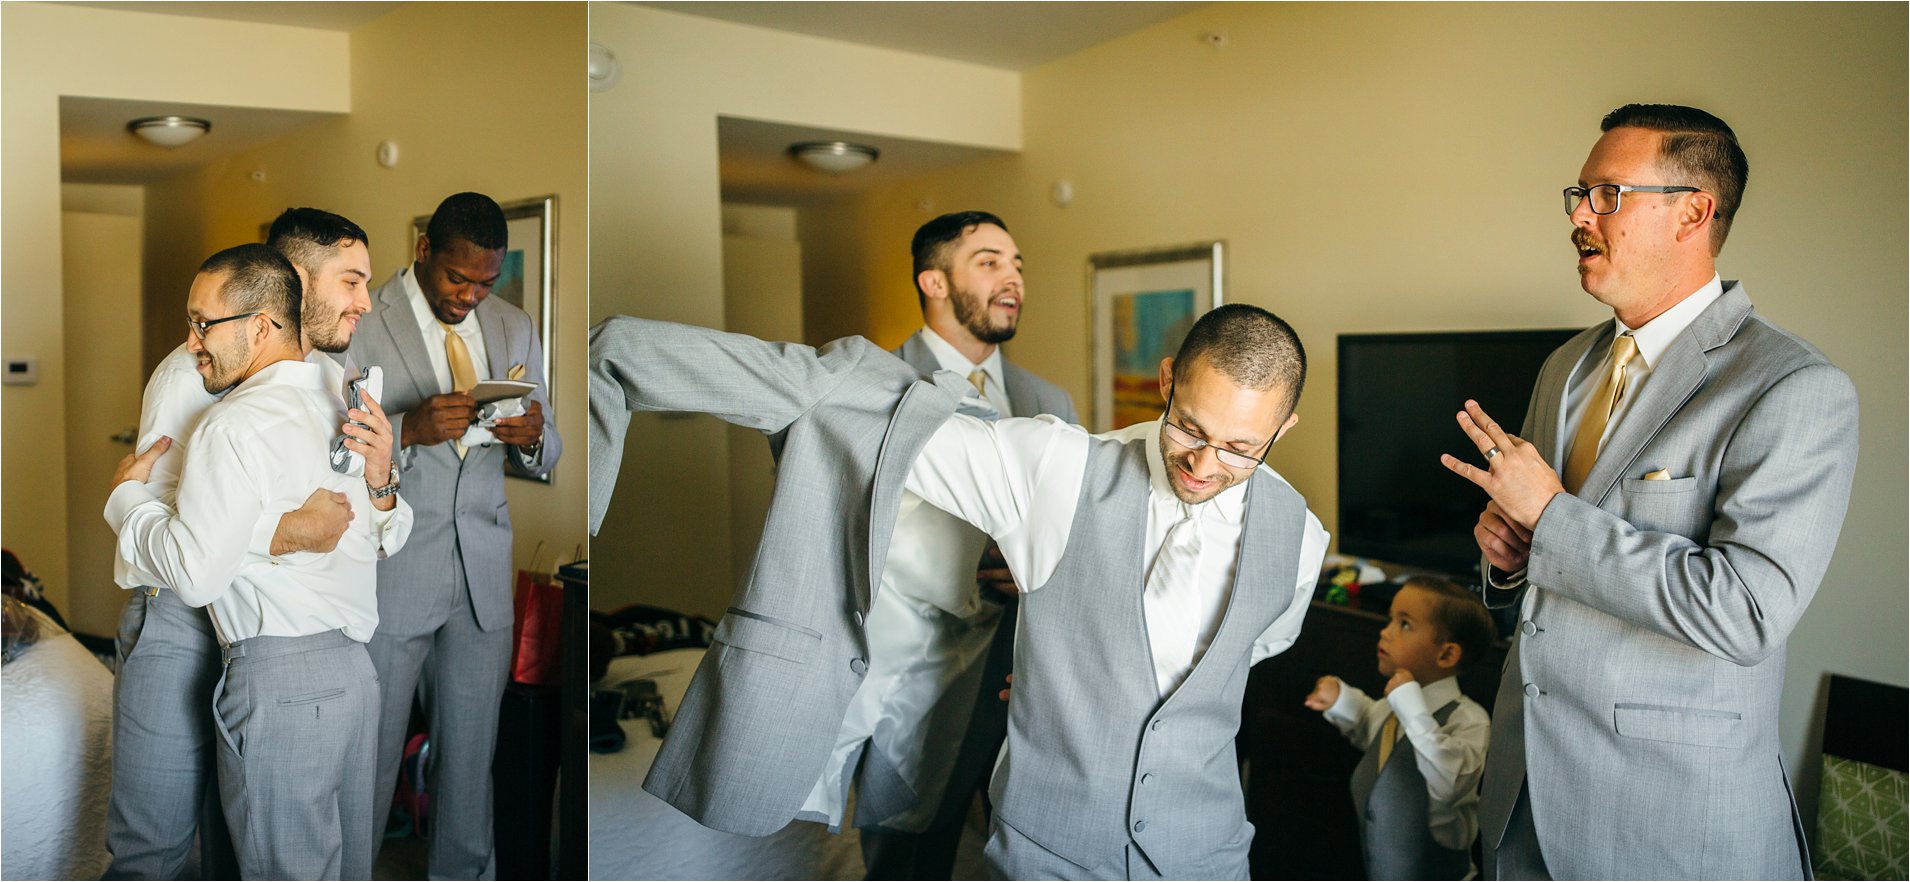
{"x": 634, "y": 835}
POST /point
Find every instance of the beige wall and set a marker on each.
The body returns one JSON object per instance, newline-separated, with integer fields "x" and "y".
{"x": 466, "y": 115}
{"x": 656, "y": 236}
{"x": 47, "y": 51}
{"x": 1377, "y": 167}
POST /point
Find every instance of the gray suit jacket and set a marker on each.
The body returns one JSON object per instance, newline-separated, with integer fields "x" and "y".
{"x": 1028, "y": 395}
{"x": 462, "y": 518}
{"x": 757, "y": 725}
{"x": 1640, "y": 701}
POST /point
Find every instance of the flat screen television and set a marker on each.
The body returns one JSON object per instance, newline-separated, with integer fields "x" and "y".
{"x": 1398, "y": 397}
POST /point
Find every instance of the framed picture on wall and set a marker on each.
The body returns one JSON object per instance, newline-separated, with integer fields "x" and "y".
{"x": 528, "y": 277}
{"x": 1142, "y": 304}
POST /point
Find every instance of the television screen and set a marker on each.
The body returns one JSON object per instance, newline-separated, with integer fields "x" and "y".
{"x": 1398, "y": 397}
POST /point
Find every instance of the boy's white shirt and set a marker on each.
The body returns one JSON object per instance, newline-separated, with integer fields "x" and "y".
{"x": 1451, "y": 758}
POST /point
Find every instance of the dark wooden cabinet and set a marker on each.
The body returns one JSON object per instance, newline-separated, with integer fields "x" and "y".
{"x": 1298, "y": 764}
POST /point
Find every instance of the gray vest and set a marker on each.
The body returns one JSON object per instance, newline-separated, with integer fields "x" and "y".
{"x": 1392, "y": 804}
{"x": 1094, "y": 756}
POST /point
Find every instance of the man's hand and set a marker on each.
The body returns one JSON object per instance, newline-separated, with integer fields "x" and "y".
{"x": 139, "y": 466}
{"x": 1516, "y": 477}
{"x": 1326, "y": 693}
{"x": 993, "y": 572}
{"x": 315, "y": 526}
{"x": 1507, "y": 546}
{"x": 1400, "y": 678}
{"x": 373, "y": 442}
{"x": 438, "y": 419}
{"x": 1003, "y": 695}
{"x": 522, "y": 431}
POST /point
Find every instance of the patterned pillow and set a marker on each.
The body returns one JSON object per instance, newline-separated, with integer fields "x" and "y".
{"x": 1861, "y": 822}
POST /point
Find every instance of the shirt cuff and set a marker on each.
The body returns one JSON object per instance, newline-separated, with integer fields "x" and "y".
{"x": 1511, "y": 581}
{"x": 1346, "y": 709}
{"x": 1408, "y": 701}
{"x": 124, "y": 498}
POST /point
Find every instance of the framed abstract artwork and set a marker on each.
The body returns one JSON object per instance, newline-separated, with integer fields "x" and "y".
{"x": 1143, "y": 303}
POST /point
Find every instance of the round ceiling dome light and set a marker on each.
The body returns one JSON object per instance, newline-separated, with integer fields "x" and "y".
{"x": 833, "y": 157}
{"x": 169, "y": 131}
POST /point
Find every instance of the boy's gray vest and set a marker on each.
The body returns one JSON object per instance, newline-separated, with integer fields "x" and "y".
{"x": 1392, "y": 804}
{"x": 1094, "y": 756}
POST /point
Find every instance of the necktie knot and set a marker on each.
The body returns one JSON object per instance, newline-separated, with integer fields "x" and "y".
{"x": 979, "y": 379}
{"x": 1624, "y": 349}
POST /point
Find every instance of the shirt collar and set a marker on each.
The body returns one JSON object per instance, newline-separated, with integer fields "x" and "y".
{"x": 1439, "y": 693}
{"x": 1230, "y": 505}
{"x": 951, "y": 359}
{"x": 288, "y": 372}
{"x": 1656, "y": 336}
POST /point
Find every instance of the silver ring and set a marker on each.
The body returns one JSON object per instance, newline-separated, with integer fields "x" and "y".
{"x": 1491, "y": 453}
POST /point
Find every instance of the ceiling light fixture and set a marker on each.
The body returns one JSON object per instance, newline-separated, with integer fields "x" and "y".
{"x": 833, "y": 157}
{"x": 169, "y": 131}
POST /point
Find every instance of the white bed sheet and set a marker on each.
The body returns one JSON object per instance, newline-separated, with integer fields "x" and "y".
{"x": 634, "y": 835}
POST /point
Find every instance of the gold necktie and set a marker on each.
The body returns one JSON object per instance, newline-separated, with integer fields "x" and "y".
{"x": 1388, "y": 734}
{"x": 463, "y": 376}
{"x": 979, "y": 379}
{"x": 1598, "y": 414}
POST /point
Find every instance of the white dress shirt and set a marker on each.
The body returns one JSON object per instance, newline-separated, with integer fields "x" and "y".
{"x": 1452, "y": 757}
{"x": 174, "y": 402}
{"x": 1653, "y": 338}
{"x": 1019, "y": 480}
{"x": 434, "y": 331}
{"x": 951, "y": 359}
{"x": 263, "y": 450}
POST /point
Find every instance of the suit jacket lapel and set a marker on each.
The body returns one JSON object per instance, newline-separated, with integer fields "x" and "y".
{"x": 1673, "y": 380}
{"x": 395, "y": 312}
{"x": 1549, "y": 422}
{"x": 1023, "y": 398}
{"x": 497, "y": 349}
{"x": 925, "y": 405}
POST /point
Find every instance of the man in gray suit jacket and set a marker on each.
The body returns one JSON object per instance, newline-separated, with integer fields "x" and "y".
{"x": 444, "y": 606}
{"x": 1707, "y": 465}
{"x": 1120, "y": 757}
{"x": 949, "y": 646}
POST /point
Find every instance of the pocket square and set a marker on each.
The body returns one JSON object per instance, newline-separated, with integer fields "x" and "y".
{"x": 1659, "y": 475}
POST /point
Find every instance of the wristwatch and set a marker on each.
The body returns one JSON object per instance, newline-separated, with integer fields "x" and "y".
{"x": 388, "y": 489}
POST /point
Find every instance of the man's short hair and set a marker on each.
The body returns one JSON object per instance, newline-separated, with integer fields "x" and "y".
{"x": 258, "y": 279}
{"x": 1460, "y": 617}
{"x": 1699, "y": 150}
{"x": 934, "y": 240}
{"x": 473, "y": 217}
{"x": 1253, "y": 347}
{"x": 307, "y": 236}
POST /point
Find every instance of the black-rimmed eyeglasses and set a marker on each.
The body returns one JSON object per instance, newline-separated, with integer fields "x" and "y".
{"x": 199, "y": 328}
{"x": 1187, "y": 439}
{"x": 1605, "y": 197}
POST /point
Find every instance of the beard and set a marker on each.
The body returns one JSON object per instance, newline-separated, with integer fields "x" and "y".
{"x": 1185, "y": 457}
{"x": 224, "y": 369}
{"x": 971, "y": 312}
{"x": 326, "y": 336}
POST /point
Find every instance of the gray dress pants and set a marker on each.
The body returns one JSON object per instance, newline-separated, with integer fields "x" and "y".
{"x": 297, "y": 719}
{"x": 458, "y": 672}
{"x": 163, "y": 762}
{"x": 1517, "y": 855}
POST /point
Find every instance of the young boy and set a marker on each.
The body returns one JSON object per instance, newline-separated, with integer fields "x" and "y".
{"x": 1418, "y": 819}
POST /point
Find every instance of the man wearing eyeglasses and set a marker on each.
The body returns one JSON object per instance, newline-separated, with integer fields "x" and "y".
{"x": 296, "y": 709}
{"x": 1158, "y": 563}
{"x": 1707, "y": 458}
{"x": 163, "y": 757}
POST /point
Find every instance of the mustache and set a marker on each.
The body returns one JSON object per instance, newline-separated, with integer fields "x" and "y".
{"x": 1584, "y": 239}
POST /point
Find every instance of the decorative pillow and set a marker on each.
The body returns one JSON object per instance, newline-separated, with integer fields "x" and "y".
{"x": 1861, "y": 820}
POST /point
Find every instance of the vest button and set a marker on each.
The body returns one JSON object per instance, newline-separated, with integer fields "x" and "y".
{"x": 1147, "y": 777}
{"x": 858, "y": 618}
{"x": 1531, "y": 690}
{"x": 859, "y": 666}
{"x": 1156, "y": 725}
{"x": 1140, "y": 826}
{"x": 1529, "y": 629}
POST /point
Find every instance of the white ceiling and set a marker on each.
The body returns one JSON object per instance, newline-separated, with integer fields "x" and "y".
{"x": 756, "y": 166}
{"x": 324, "y": 16}
{"x": 96, "y": 148}
{"x": 1006, "y": 35}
